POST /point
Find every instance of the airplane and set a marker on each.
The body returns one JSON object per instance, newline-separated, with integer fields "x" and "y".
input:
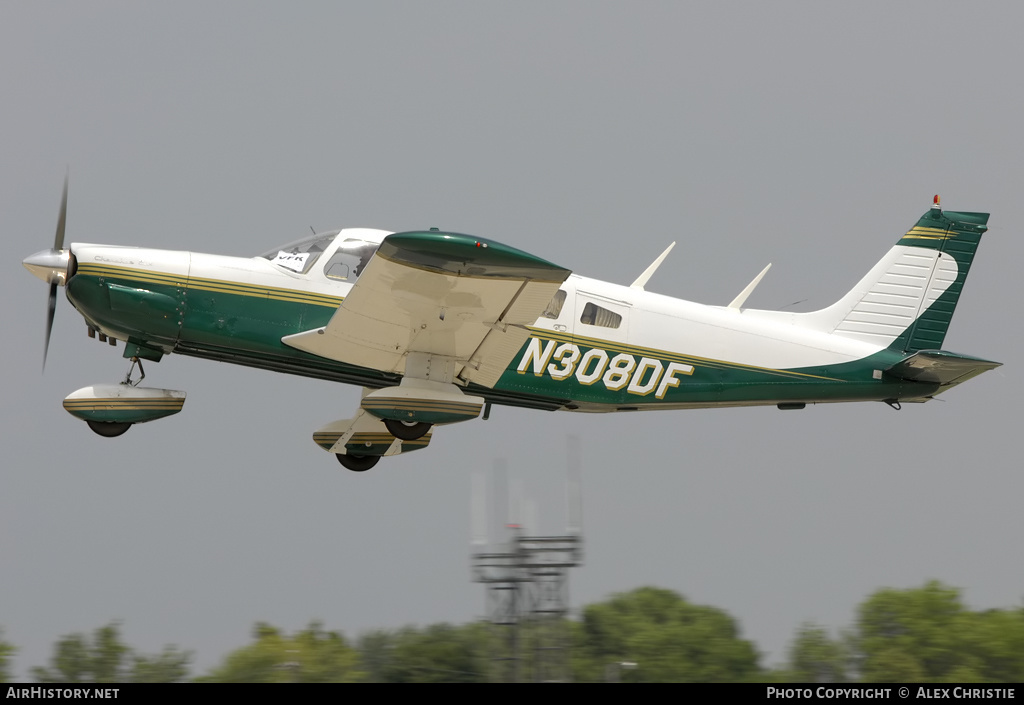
{"x": 438, "y": 326}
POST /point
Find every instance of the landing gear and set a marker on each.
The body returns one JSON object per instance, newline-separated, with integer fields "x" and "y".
{"x": 128, "y": 377}
{"x": 109, "y": 429}
{"x": 407, "y": 430}
{"x": 113, "y": 429}
{"x": 355, "y": 463}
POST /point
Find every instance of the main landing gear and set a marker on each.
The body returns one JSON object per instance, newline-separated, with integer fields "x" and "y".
{"x": 402, "y": 430}
{"x": 357, "y": 463}
{"x": 407, "y": 430}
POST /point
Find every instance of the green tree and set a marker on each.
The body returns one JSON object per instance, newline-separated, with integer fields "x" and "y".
{"x": 816, "y": 658}
{"x": 926, "y": 634}
{"x": 667, "y": 638}
{"x": 995, "y": 645}
{"x": 169, "y": 666}
{"x": 439, "y": 653}
{"x": 312, "y": 655}
{"x": 910, "y": 634}
{"x": 6, "y": 652}
{"x": 106, "y": 659}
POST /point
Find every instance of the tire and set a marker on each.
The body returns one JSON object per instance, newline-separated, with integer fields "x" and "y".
{"x": 357, "y": 463}
{"x": 109, "y": 429}
{"x": 406, "y": 430}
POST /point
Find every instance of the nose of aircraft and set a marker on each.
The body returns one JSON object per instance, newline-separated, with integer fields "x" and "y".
{"x": 49, "y": 265}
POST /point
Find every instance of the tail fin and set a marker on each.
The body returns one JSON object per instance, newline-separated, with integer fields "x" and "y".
{"x": 906, "y": 301}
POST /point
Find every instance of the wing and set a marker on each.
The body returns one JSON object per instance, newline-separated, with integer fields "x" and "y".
{"x": 459, "y": 297}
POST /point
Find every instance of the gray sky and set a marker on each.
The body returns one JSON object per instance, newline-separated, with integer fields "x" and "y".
{"x": 809, "y": 135}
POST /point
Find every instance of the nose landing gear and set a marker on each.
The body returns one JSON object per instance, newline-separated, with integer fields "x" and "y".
{"x": 111, "y": 409}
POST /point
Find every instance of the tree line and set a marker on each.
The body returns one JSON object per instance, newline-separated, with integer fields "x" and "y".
{"x": 645, "y": 635}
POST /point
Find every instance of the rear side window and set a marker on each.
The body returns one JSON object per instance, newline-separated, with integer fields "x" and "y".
{"x": 594, "y": 315}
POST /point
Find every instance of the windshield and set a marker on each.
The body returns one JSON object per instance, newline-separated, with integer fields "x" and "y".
{"x": 300, "y": 255}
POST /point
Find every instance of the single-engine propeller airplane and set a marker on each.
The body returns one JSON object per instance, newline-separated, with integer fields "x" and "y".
{"x": 437, "y": 326}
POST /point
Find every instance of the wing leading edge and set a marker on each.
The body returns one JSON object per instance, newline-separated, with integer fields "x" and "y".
{"x": 455, "y": 299}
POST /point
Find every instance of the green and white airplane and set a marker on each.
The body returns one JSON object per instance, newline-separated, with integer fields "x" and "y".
{"x": 437, "y": 326}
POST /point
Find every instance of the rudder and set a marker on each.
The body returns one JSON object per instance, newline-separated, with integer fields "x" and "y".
{"x": 956, "y": 235}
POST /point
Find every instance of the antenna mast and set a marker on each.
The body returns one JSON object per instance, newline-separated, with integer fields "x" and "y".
{"x": 527, "y": 581}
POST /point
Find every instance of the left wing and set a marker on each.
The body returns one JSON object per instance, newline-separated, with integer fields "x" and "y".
{"x": 456, "y": 299}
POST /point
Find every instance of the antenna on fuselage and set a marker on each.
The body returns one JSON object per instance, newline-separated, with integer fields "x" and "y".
{"x": 642, "y": 279}
{"x": 742, "y": 297}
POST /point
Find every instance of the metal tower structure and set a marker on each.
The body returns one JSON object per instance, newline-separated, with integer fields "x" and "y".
{"x": 527, "y": 583}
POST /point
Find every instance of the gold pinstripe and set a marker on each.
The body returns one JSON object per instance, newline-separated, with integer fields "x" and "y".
{"x": 214, "y": 285}
{"x": 664, "y": 354}
{"x": 108, "y": 404}
{"x": 327, "y": 439}
{"x": 416, "y": 405}
{"x": 296, "y": 296}
{"x": 923, "y": 233}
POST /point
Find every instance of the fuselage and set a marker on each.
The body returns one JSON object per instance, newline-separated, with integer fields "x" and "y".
{"x": 599, "y": 346}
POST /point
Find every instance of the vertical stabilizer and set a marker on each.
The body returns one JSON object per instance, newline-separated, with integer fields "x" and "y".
{"x": 907, "y": 300}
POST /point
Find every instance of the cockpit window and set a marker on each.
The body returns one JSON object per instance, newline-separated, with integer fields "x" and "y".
{"x": 348, "y": 262}
{"x": 300, "y": 255}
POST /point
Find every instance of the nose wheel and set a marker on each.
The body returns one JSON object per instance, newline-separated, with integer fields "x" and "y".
{"x": 109, "y": 429}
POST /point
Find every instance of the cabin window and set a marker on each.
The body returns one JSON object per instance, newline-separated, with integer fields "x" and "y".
{"x": 348, "y": 262}
{"x": 594, "y": 315}
{"x": 554, "y": 308}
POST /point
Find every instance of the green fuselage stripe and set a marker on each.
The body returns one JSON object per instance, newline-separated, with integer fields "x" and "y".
{"x": 243, "y": 324}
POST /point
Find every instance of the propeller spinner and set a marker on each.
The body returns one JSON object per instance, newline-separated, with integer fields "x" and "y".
{"x": 52, "y": 266}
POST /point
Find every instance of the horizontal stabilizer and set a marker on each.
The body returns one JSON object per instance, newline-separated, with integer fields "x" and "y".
{"x": 940, "y": 367}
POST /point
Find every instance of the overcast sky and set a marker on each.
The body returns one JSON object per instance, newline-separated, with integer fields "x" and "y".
{"x": 810, "y": 135}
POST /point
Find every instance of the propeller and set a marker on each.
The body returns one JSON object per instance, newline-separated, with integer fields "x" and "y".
{"x": 52, "y": 266}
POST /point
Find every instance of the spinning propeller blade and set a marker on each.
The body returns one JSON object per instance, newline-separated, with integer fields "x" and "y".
{"x": 58, "y": 240}
{"x": 52, "y": 307}
{"x": 52, "y": 266}
{"x": 58, "y": 245}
